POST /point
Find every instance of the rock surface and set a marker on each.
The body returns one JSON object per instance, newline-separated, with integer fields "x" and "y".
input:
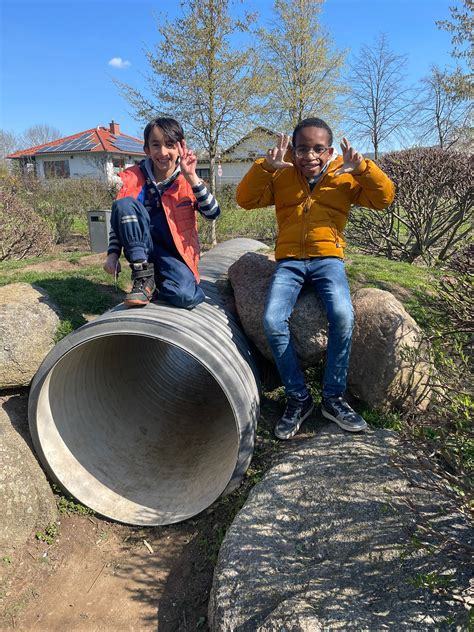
{"x": 325, "y": 542}
{"x": 250, "y": 278}
{"x": 28, "y": 323}
{"x": 28, "y": 503}
{"x": 387, "y": 369}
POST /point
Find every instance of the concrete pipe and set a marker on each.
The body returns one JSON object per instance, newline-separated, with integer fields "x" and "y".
{"x": 148, "y": 415}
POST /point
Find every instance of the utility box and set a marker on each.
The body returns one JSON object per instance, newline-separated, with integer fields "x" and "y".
{"x": 99, "y": 227}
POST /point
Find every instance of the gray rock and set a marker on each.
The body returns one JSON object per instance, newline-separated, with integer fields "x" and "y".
{"x": 28, "y": 503}
{"x": 388, "y": 366}
{"x": 325, "y": 541}
{"x": 250, "y": 278}
{"x": 28, "y": 323}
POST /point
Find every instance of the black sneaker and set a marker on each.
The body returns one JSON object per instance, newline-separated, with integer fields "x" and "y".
{"x": 338, "y": 410}
{"x": 295, "y": 413}
{"x": 143, "y": 277}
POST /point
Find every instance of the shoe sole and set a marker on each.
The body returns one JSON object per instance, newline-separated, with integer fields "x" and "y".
{"x": 292, "y": 434}
{"x": 340, "y": 423}
{"x": 134, "y": 302}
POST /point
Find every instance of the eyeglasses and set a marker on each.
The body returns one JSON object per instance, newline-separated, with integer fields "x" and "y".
{"x": 304, "y": 152}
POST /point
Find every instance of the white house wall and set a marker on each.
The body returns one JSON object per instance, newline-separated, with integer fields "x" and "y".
{"x": 89, "y": 166}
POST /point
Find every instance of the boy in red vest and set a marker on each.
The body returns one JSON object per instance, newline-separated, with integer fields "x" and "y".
{"x": 154, "y": 221}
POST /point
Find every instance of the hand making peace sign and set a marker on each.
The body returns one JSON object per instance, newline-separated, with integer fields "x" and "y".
{"x": 352, "y": 159}
{"x": 276, "y": 156}
{"x": 187, "y": 162}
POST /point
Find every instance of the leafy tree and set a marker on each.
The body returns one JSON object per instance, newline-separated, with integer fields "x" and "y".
{"x": 198, "y": 78}
{"x": 40, "y": 134}
{"x": 379, "y": 104}
{"x": 432, "y": 213}
{"x": 441, "y": 117}
{"x": 462, "y": 27}
{"x": 300, "y": 74}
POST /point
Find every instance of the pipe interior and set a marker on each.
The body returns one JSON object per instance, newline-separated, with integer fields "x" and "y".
{"x": 137, "y": 429}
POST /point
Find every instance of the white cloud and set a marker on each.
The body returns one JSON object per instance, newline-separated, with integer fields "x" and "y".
{"x": 118, "y": 62}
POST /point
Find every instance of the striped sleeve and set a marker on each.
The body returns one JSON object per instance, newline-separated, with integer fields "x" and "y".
{"x": 206, "y": 203}
{"x": 114, "y": 244}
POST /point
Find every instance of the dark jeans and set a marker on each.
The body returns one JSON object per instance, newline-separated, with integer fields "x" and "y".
{"x": 175, "y": 281}
{"x": 328, "y": 277}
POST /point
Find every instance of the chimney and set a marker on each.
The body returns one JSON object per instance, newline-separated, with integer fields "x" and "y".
{"x": 114, "y": 128}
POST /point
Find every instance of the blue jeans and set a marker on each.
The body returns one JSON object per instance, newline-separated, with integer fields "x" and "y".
{"x": 327, "y": 276}
{"x": 149, "y": 239}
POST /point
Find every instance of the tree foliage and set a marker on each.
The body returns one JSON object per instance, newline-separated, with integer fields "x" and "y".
{"x": 461, "y": 26}
{"x": 432, "y": 213}
{"x": 197, "y": 77}
{"x": 379, "y": 104}
{"x": 440, "y": 116}
{"x": 300, "y": 73}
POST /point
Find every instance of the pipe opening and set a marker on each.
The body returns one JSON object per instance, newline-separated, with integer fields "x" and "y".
{"x": 137, "y": 429}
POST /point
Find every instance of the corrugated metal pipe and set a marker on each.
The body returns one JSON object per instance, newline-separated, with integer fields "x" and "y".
{"x": 148, "y": 415}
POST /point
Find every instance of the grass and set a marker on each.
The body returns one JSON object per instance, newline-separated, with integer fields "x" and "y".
{"x": 416, "y": 282}
{"x": 49, "y": 535}
{"x": 79, "y": 292}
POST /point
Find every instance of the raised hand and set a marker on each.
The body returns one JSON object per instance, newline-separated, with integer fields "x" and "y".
{"x": 352, "y": 159}
{"x": 187, "y": 162}
{"x": 276, "y": 156}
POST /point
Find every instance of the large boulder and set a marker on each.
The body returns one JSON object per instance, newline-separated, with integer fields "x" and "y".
{"x": 28, "y": 323}
{"x": 387, "y": 368}
{"x": 250, "y": 278}
{"x": 327, "y": 541}
{"x": 27, "y": 500}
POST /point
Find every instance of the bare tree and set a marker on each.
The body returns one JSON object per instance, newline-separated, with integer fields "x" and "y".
{"x": 40, "y": 134}
{"x": 197, "y": 77}
{"x": 379, "y": 104}
{"x": 9, "y": 142}
{"x": 300, "y": 73}
{"x": 440, "y": 116}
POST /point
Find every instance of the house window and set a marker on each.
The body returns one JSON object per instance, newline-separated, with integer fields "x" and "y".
{"x": 118, "y": 164}
{"x": 56, "y": 169}
{"x": 203, "y": 173}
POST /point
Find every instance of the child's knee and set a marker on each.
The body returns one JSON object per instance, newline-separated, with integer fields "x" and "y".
{"x": 185, "y": 296}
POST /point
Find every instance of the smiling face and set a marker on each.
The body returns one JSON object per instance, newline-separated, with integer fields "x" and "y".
{"x": 311, "y": 138}
{"x": 163, "y": 153}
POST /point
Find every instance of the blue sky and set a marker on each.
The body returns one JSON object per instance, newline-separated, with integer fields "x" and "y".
{"x": 55, "y": 54}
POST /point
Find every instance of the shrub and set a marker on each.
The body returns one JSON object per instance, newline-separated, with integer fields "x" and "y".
{"x": 431, "y": 215}
{"x": 23, "y": 232}
{"x": 61, "y": 201}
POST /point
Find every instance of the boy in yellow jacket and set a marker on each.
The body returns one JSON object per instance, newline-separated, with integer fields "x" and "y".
{"x": 312, "y": 190}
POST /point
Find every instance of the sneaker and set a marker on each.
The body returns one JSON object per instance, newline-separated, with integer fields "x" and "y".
{"x": 143, "y": 277}
{"x": 338, "y": 410}
{"x": 295, "y": 413}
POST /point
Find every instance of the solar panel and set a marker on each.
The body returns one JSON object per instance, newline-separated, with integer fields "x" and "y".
{"x": 81, "y": 143}
{"x": 128, "y": 144}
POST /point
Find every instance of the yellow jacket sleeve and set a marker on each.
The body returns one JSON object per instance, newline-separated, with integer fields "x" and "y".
{"x": 255, "y": 190}
{"x": 375, "y": 189}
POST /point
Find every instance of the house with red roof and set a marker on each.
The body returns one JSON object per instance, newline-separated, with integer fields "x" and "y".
{"x": 100, "y": 152}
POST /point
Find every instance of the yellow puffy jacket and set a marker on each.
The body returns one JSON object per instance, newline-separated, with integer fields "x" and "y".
{"x": 311, "y": 223}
